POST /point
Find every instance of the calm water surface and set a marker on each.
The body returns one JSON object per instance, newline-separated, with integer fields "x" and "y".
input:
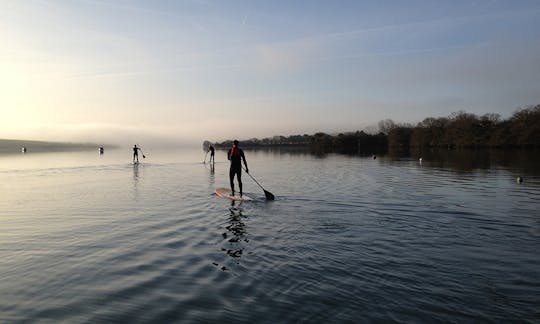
{"x": 89, "y": 238}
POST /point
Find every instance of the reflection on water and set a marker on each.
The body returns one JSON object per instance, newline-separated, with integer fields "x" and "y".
{"x": 524, "y": 161}
{"x": 135, "y": 172}
{"x": 212, "y": 173}
{"x": 235, "y": 235}
{"x": 519, "y": 161}
{"x": 91, "y": 239}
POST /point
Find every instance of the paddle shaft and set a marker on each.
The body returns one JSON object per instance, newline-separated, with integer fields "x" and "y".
{"x": 267, "y": 193}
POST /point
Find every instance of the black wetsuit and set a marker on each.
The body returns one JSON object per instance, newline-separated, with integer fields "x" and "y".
{"x": 236, "y": 155}
{"x": 136, "y": 154}
{"x": 212, "y": 158}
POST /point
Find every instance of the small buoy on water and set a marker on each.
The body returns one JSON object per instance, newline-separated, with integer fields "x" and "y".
{"x": 519, "y": 180}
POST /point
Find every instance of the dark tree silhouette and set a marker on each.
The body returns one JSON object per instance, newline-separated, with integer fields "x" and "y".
{"x": 459, "y": 130}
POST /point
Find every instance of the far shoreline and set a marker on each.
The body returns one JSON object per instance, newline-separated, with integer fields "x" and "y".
{"x": 11, "y": 146}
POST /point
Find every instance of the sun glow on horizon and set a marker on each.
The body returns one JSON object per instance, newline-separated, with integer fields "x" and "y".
{"x": 209, "y": 70}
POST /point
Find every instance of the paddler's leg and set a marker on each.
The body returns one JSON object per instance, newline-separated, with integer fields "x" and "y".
{"x": 239, "y": 176}
{"x": 231, "y": 178}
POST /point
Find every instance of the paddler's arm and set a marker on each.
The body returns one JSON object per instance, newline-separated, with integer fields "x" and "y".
{"x": 245, "y": 163}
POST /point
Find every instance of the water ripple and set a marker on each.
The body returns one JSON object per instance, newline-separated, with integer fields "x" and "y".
{"x": 347, "y": 239}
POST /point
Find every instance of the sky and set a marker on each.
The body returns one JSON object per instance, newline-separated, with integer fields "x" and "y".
{"x": 191, "y": 70}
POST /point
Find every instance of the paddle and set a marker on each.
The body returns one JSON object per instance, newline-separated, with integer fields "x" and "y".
{"x": 268, "y": 194}
{"x": 143, "y": 156}
{"x": 204, "y": 162}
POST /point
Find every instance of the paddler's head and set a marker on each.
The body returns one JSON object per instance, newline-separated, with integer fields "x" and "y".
{"x": 235, "y": 143}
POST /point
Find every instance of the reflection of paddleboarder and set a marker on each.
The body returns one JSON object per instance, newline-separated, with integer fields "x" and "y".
{"x": 236, "y": 155}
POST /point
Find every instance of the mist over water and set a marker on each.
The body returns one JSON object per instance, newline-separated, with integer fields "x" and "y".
{"x": 93, "y": 238}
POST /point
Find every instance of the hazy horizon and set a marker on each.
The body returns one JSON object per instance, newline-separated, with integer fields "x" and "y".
{"x": 192, "y": 70}
{"x": 157, "y": 141}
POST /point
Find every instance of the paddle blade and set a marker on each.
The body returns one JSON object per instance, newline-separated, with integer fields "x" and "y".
{"x": 144, "y": 156}
{"x": 269, "y": 195}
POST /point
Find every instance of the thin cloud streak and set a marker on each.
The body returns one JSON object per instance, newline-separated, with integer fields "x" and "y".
{"x": 183, "y": 68}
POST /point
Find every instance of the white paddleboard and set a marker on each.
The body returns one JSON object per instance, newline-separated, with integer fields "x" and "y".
{"x": 227, "y": 193}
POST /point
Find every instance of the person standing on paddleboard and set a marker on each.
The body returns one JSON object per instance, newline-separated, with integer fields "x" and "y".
{"x": 136, "y": 153}
{"x": 236, "y": 155}
{"x": 212, "y": 152}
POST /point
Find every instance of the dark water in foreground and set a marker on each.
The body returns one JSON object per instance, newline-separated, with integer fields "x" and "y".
{"x": 93, "y": 239}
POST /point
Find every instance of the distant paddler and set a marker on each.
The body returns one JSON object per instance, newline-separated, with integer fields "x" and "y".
{"x": 212, "y": 153}
{"x": 136, "y": 150}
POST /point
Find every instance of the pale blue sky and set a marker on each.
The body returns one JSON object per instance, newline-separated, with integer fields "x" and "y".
{"x": 203, "y": 69}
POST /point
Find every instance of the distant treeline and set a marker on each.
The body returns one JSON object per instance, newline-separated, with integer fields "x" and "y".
{"x": 464, "y": 130}
{"x": 350, "y": 143}
{"x": 459, "y": 130}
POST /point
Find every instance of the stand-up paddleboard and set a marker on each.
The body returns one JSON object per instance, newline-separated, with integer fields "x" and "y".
{"x": 227, "y": 193}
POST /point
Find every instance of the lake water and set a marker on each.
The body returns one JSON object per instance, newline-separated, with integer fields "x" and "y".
{"x": 90, "y": 238}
